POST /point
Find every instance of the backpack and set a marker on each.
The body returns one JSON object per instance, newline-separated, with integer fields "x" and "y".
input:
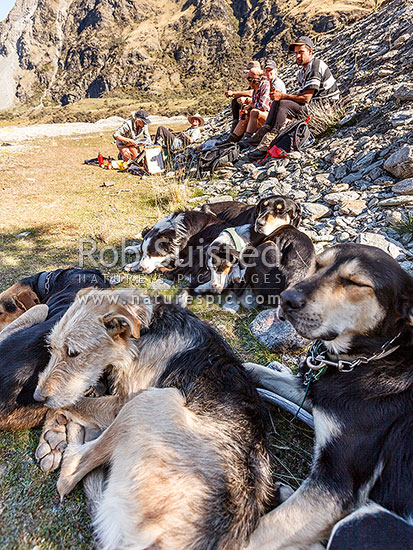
{"x": 208, "y": 161}
{"x": 292, "y": 138}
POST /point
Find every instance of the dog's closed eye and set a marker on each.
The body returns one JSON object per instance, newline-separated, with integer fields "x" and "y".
{"x": 362, "y": 284}
{"x": 72, "y": 353}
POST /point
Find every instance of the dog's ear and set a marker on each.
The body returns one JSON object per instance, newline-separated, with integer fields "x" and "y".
{"x": 145, "y": 231}
{"x": 295, "y": 214}
{"x": 121, "y": 326}
{"x": 26, "y": 299}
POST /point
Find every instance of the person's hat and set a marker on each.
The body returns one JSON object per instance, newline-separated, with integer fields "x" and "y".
{"x": 198, "y": 116}
{"x": 142, "y": 115}
{"x": 271, "y": 64}
{"x": 252, "y": 65}
{"x": 302, "y": 41}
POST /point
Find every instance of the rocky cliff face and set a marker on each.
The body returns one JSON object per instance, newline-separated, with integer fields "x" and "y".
{"x": 61, "y": 51}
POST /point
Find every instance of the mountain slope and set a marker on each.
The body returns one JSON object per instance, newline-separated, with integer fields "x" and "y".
{"x": 61, "y": 51}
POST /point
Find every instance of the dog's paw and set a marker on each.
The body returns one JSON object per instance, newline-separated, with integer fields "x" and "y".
{"x": 58, "y": 431}
{"x": 67, "y": 479}
{"x": 133, "y": 267}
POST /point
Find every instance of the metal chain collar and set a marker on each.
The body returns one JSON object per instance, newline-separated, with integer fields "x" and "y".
{"x": 318, "y": 357}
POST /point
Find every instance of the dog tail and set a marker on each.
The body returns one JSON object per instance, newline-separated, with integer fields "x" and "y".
{"x": 93, "y": 487}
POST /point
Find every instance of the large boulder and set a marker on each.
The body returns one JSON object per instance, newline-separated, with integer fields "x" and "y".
{"x": 374, "y": 239}
{"x": 274, "y": 334}
{"x": 400, "y": 163}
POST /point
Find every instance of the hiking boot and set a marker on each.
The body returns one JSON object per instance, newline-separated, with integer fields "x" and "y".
{"x": 261, "y": 150}
{"x": 267, "y": 139}
{"x": 246, "y": 141}
{"x": 257, "y": 154}
{"x": 259, "y": 134}
{"x": 232, "y": 138}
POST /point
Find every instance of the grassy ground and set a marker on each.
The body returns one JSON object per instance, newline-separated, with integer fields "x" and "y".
{"x": 51, "y": 200}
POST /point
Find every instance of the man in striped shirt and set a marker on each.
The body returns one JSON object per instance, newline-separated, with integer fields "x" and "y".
{"x": 315, "y": 83}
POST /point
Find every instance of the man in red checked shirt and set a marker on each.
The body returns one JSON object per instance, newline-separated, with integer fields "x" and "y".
{"x": 254, "y": 113}
{"x": 315, "y": 83}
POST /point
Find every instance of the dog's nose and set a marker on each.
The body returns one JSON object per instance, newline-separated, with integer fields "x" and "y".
{"x": 260, "y": 223}
{"x": 292, "y": 299}
{"x": 39, "y": 396}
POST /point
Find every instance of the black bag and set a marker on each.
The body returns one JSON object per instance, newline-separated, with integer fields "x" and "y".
{"x": 208, "y": 161}
{"x": 293, "y": 138}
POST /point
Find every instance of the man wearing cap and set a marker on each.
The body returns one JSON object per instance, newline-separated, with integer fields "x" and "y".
{"x": 133, "y": 132}
{"x": 183, "y": 139}
{"x": 315, "y": 83}
{"x": 271, "y": 72}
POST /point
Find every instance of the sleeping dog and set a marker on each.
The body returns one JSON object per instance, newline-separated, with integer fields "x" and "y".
{"x": 358, "y": 375}
{"x": 234, "y": 213}
{"x": 23, "y": 349}
{"x": 267, "y": 255}
{"x": 188, "y": 461}
{"x": 163, "y": 244}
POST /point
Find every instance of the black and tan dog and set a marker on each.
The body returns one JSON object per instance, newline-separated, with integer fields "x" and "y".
{"x": 189, "y": 467}
{"x": 23, "y": 349}
{"x": 358, "y": 306}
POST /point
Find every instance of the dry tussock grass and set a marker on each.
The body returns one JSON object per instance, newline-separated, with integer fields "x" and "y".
{"x": 323, "y": 116}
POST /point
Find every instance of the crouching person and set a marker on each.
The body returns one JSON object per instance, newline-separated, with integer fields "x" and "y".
{"x": 133, "y": 129}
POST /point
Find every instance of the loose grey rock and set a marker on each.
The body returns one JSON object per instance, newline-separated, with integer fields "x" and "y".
{"x": 404, "y": 92}
{"x": 400, "y": 163}
{"x": 274, "y": 334}
{"x": 220, "y": 198}
{"x": 161, "y": 284}
{"x": 341, "y": 198}
{"x": 402, "y": 118}
{"x": 314, "y": 211}
{"x": 397, "y": 201}
{"x": 404, "y": 187}
{"x": 374, "y": 239}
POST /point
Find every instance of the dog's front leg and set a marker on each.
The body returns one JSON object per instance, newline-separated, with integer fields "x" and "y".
{"x": 301, "y": 521}
{"x": 96, "y": 411}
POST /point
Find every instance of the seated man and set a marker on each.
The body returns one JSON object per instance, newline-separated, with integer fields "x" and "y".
{"x": 276, "y": 85}
{"x": 174, "y": 142}
{"x": 256, "y": 111}
{"x": 133, "y": 129}
{"x": 236, "y": 102}
{"x": 315, "y": 83}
